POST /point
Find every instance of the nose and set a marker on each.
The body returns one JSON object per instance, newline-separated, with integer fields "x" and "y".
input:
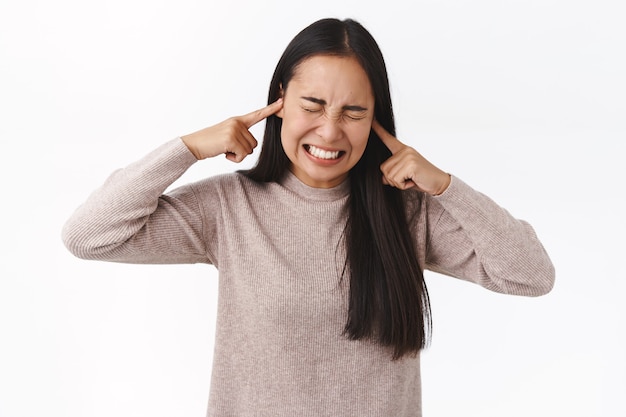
{"x": 330, "y": 129}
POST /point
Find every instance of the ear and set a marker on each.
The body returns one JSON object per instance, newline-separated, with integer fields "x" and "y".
{"x": 281, "y": 93}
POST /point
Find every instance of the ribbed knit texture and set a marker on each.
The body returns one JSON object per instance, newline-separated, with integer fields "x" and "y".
{"x": 279, "y": 249}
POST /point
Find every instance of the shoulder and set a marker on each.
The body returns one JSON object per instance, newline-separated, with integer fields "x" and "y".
{"x": 458, "y": 192}
{"x": 229, "y": 180}
{"x": 423, "y": 211}
{"x": 228, "y": 186}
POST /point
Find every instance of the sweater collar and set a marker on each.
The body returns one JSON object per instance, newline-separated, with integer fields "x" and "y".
{"x": 293, "y": 184}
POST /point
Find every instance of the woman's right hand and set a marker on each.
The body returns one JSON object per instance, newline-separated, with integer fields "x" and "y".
{"x": 231, "y": 137}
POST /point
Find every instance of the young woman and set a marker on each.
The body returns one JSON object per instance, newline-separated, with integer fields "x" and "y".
{"x": 321, "y": 246}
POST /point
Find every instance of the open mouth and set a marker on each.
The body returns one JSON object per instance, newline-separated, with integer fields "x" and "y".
{"x": 322, "y": 154}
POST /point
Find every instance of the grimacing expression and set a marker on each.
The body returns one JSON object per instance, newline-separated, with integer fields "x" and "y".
{"x": 327, "y": 115}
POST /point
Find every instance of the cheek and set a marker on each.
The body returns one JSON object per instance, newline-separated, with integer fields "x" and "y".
{"x": 294, "y": 128}
{"x": 291, "y": 133}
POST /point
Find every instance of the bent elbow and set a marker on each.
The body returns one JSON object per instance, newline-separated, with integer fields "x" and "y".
{"x": 74, "y": 245}
{"x": 79, "y": 242}
{"x": 530, "y": 281}
{"x": 545, "y": 281}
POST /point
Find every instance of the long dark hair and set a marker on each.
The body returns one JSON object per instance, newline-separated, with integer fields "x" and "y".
{"x": 388, "y": 297}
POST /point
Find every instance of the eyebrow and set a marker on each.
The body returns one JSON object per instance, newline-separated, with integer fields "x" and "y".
{"x": 323, "y": 103}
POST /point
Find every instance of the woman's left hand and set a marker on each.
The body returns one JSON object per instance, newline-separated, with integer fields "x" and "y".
{"x": 406, "y": 168}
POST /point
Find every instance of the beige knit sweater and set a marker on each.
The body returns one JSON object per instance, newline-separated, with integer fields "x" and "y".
{"x": 279, "y": 349}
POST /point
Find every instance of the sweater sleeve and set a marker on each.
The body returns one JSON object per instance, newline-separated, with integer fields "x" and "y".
{"x": 128, "y": 219}
{"x": 473, "y": 238}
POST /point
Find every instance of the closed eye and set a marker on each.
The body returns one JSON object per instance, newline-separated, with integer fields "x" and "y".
{"x": 356, "y": 116}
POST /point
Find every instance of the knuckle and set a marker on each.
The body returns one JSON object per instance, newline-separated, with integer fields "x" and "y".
{"x": 234, "y": 122}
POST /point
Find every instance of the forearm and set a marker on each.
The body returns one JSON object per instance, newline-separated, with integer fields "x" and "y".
{"x": 117, "y": 211}
{"x": 478, "y": 240}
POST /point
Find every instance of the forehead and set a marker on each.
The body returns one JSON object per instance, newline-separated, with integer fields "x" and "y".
{"x": 333, "y": 77}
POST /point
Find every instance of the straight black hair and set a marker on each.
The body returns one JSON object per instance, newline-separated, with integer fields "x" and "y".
{"x": 388, "y": 298}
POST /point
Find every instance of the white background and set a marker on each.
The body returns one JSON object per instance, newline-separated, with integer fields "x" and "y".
{"x": 524, "y": 100}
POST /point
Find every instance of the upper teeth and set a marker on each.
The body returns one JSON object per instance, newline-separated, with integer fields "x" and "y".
{"x": 322, "y": 154}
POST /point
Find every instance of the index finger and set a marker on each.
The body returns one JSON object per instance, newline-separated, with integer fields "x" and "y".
{"x": 390, "y": 141}
{"x": 256, "y": 116}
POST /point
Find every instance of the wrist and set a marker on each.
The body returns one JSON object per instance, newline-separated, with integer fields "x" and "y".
{"x": 188, "y": 141}
{"x": 445, "y": 183}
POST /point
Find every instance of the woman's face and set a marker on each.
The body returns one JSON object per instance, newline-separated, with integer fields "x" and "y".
{"x": 327, "y": 116}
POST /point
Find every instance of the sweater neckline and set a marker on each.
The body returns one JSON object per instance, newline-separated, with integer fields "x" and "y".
{"x": 293, "y": 184}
